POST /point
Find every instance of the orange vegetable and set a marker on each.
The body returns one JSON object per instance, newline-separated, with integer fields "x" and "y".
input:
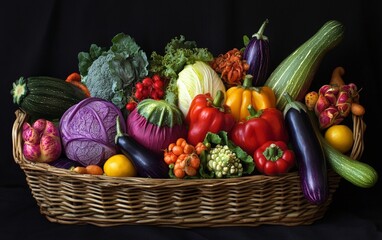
{"x": 182, "y": 158}
{"x": 231, "y": 66}
{"x": 78, "y": 169}
{"x": 337, "y": 74}
{"x": 311, "y": 99}
{"x": 357, "y": 109}
{"x": 94, "y": 170}
{"x": 75, "y": 79}
{"x": 200, "y": 147}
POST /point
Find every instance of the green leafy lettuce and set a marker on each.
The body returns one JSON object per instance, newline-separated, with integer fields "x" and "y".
{"x": 178, "y": 53}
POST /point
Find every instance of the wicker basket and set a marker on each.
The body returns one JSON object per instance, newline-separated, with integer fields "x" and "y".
{"x": 69, "y": 198}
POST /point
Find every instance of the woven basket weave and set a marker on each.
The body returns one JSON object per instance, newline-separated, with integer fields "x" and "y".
{"x": 69, "y": 198}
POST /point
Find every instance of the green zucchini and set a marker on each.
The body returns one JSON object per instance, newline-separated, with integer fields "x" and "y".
{"x": 45, "y": 97}
{"x": 356, "y": 172}
{"x": 295, "y": 73}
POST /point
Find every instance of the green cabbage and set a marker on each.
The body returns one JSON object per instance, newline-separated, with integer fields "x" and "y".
{"x": 194, "y": 79}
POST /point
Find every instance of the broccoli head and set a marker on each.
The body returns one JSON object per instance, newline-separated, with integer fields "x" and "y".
{"x": 112, "y": 74}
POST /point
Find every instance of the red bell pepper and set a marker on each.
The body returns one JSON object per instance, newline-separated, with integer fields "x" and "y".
{"x": 207, "y": 114}
{"x": 274, "y": 158}
{"x": 260, "y": 127}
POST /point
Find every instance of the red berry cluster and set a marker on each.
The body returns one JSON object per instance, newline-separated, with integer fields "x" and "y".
{"x": 149, "y": 87}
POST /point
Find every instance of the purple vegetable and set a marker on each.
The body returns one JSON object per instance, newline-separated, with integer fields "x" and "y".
{"x": 310, "y": 155}
{"x": 256, "y": 54}
{"x": 64, "y": 162}
{"x": 155, "y": 124}
{"x": 330, "y": 116}
{"x": 42, "y": 141}
{"x": 88, "y": 130}
{"x": 147, "y": 163}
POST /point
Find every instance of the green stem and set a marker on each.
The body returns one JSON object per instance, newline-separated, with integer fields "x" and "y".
{"x": 259, "y": 34}
{"x": 273, "y": 152}
{"x": 247, "y": 83}
{"x": 291, "y": 103}
{"x": 218, "y": 100}
{"x": 253, "y": 113}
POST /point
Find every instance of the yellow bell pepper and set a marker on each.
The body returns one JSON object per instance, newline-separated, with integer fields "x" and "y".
{"x": 239, "y": 97}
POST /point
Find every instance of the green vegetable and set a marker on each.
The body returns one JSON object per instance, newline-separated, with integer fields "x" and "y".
{"x": 223, "y": 159}
{"x": 45, "y": 97}
{"x": 178, "y": 53}
{"x": 222, "y": 162}
{"x": 354, "y": 171}
{"x": 295, "y": 73}
{"x": 111, "y": 74}
{"x": 194, "y": 79}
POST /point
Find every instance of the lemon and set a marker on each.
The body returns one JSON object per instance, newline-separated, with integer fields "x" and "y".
{"x": 340, "y": 137}
{"x": 119, "y": 165}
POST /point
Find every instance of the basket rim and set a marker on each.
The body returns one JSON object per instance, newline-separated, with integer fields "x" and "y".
{"x": 19, "y": 158}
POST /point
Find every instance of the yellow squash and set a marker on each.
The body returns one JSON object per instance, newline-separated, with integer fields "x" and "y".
{"x": 239, "y": 97}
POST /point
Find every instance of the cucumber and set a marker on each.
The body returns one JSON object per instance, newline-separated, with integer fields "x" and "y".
{"x": 356, "y": 172}
{"x": 45, "y": 97}
{"x": 295, "y": 73}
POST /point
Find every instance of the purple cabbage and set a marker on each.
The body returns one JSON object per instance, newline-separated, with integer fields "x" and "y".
{"x": 88, "y": 130}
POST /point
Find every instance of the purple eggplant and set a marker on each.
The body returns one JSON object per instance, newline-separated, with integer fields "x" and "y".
{"x": 310, "y": 155}
{"x": 148, "y": 164}
{"x": 256, "y": 53}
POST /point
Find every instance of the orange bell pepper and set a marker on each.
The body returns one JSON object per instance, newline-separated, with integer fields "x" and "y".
{"x": 239, "y": 97}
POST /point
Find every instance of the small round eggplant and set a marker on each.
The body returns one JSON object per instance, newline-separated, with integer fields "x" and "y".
{"x": 256, "y": 53}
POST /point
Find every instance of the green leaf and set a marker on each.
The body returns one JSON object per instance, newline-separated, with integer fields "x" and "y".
{"x": 125, "y": 44}
{"x": 222, "y": 139}
{"x": 86, "y": 59}
{"x": 245, "y": 40}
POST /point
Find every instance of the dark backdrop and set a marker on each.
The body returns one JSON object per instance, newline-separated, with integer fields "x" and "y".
{"x": 44, "y": 38}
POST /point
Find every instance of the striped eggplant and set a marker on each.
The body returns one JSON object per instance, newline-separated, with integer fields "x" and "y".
{"x": 256, "y": 53}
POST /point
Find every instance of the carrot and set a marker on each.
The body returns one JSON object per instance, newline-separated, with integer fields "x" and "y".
{"x": 337, "y": 74}
{"x": 94, "y": 170}
{"x": 75, "y": 79}
{"x": 357, "y": 109}
{"x": 79, "y": 169}
{"x": 82, "y": 87}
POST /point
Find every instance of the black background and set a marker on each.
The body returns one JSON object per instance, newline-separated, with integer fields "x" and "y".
{"x": 44, "y": 38}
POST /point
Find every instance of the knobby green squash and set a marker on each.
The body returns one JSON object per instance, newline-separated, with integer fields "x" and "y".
{"x": 295, "y": 73}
